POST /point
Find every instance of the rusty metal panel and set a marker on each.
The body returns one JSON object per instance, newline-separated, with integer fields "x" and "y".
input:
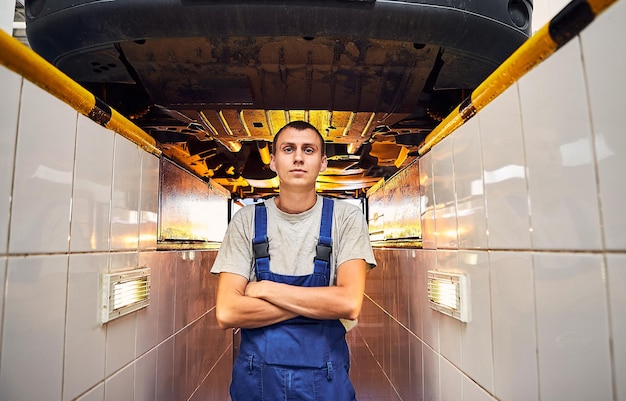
{"x": 394, "y": 211}
{"x": 189, "y": 208}
{"x": 376, "y": 215}
{"x": 402, "y": 217}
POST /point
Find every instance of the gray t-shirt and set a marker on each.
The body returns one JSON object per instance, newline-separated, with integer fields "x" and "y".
{"x": 292, "y": 240}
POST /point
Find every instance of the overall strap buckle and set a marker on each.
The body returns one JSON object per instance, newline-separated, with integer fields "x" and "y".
{"x": 261, "y": 248}
{"x": 323, "y": 252}
{"x": 325, "y": 243}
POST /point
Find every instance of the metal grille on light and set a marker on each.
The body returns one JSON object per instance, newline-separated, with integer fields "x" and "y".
{"x": 124, "y": 292}
{"x": 447, "y": 293}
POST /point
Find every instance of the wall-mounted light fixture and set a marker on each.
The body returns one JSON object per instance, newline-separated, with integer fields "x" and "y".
{"x": 448, "y": 294}
{"x": 124, "y": 292}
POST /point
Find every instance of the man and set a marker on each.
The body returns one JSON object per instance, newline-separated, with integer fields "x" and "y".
{"x": 292, "y": 276}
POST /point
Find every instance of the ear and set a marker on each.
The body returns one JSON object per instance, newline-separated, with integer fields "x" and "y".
{"x": 272, "y": 163}
{"x": 324, "y": 164}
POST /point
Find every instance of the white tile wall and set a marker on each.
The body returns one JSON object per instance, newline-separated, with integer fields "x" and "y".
{"x": 182, "y": 280}
{"x": 430, "y": 318}
{"x": 145, "y": 376}
{"x": 559, "y": 153}
{"x": 34, "y": 304}
{"x": 120, "y": 347}
{"x": 607, "y": 95}
{"x": 476, "y": 342}
{"x": 147, "y": 334}
{"x": 473, "y": 392}
{"x": 165, "y": 370}
{"x": 449, "y": 328}
{"x": 416, "y": 275}
{"x": 44, "y": 163}
{"x": 7, "y": 9}
{"x": 166, "y": 297}
{"x": 451, "y": 380}
{"x": 616, "y": 276}
{"x": 416, "y": 359}
{"x": 431, "y": 374}
{"x": 120, "y": 386}
{"x": 95, "y": 394}
{"x": 549, "y": 302}
{"x": 120, "y": 261}
{"x": 504, "y": 161}
{"x": 572, "y": 327}
{"x": 469, "y": 186}
{"x": 513, "y": 326}
{"x": 3, "y": 270}
{"x": 445, "y": 203}
{"x": 181, "y": 365}
{"x": 121, "y": 332}
{"x": 91, "y": 199}
{"x": 545, "y": 10}
{"x": 85, "y": 337}
{"x": 9, "y": 109}
{"x": 126, "y": 193}
{"x": 58, "y": 182}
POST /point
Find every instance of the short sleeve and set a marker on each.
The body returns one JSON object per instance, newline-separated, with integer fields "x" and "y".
{"x": 235, "y": 253}
{"x": 353, "y": 240}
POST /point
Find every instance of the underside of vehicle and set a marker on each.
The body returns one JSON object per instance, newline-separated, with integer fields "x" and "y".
{"x": 213, "y": 81}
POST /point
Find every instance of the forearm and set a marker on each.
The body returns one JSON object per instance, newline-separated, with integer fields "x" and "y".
{"x": 249, "y": 313}
{"x": 234, "y": 309}
{"x": 314, "y": 302}
{"x": 342, "y": 301}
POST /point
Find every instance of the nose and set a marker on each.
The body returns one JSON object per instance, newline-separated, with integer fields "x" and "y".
{"x": 298, "y": 155}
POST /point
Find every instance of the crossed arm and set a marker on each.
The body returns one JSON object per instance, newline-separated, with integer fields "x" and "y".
{"x": 256, "y": 304}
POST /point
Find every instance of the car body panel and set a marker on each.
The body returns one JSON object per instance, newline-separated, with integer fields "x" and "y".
{"x": 212, "y": 81}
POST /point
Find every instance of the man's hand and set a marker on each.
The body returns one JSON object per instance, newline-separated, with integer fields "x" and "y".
{"x": 253, "y": 289}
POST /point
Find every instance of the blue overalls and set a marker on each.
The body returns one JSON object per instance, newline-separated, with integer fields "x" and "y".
{"x": 300, "y": 358}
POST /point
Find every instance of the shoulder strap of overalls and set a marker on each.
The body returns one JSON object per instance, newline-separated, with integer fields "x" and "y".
{"x": 260, "y": 243}
{"x": 261, "y": 246}
{"x": 325, "y": 242}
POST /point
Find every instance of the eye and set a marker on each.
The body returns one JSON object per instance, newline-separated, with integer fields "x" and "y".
{"x": 309, "y": 151}
{"x": 287, "y": 149}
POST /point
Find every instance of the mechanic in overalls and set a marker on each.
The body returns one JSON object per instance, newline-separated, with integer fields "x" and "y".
{"x": 292, "y": 274}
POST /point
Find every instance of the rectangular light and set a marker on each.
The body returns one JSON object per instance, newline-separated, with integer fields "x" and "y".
{"x": 447, "y": 293}
{"x": 124, "y": 292}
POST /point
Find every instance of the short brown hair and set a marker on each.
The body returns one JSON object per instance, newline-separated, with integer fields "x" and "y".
{"x": 299, "y": 126}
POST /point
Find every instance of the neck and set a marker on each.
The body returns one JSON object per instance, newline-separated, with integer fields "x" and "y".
{"x": 293, "y": 203}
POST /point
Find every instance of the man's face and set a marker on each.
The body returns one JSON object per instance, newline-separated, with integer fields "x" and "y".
{"x": 298, "y": 158}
